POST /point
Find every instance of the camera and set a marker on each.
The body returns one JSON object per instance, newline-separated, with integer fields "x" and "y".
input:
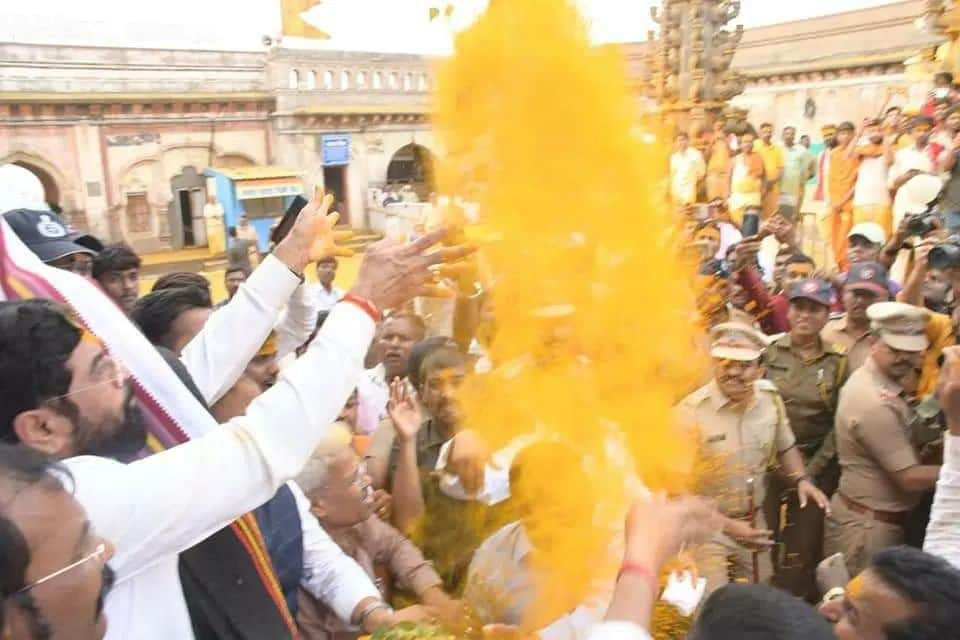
{"x": 946, "y": 254}
{"x": 920, "y": 224}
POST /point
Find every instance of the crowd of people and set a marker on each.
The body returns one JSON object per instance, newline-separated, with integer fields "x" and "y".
{"x": 877, "y": 171}
{"x": 293, "y": 461}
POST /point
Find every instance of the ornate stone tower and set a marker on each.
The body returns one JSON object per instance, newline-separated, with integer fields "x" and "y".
{"x": 688, "y": 70}
{"x": 943, "y": 17}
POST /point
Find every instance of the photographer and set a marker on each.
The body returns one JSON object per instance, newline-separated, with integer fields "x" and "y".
{"x": 928, "y": 257}
{"x": 913, "y": 162}
{"x": 950, "y": 200}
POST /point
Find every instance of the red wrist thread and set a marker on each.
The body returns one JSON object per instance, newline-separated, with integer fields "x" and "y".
{"x": 365, "y": 305}
{"x": 642, "y": 571}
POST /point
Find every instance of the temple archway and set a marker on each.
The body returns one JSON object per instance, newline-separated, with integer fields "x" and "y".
{"x": 412, "y": 164}
{"x": 45, "y": 172}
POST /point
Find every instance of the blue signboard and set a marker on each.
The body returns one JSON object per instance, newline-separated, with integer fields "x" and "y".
{"x": 336, "y": 149}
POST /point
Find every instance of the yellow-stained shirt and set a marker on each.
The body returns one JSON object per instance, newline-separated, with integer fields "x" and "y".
{"x": 940, "y": 334}
{"x": 736, "y": 444}
{"x": 773, "y": 160}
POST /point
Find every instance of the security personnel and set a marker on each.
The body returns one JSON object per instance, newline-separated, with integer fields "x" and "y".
{"x": 881, "y": 477}
{"x": 808, "y": 373}
{"x": 743, "y": 432}
{"x": 865, "y": 284}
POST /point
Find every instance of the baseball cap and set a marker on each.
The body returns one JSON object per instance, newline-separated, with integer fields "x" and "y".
{"x": 87, "y": 240}
{"x": 813, "y": 289}
{"x": 871, "y": 276}
{"x": 736, "y": 341}
{"x": 901, "y": 326}
{"x": 44, "y": 233}
{"x": 869, "y": 230}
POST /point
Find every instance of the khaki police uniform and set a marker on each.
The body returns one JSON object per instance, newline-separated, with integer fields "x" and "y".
{"x": 737, "y": 444}
{"x": 810, "y": 389}
{"x": 874, "y": 441}
{"x": 863, "y": 276}
{"x": 856, "y": 347}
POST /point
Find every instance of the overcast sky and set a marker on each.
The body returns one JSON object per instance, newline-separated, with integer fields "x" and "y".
{"x": 369, "y": 25}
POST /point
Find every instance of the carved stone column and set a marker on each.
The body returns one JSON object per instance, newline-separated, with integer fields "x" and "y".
{"x": 688, "y": 70}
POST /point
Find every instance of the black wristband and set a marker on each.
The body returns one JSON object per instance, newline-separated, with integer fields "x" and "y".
{"x": 302, "y": 278}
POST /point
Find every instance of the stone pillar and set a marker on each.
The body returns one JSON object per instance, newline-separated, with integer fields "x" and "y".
{"x": 688, "y": 69}
{"x": 93, "y": 180}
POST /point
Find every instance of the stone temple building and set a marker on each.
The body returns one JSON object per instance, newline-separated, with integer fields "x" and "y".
{"x": 122, "y": 138}
{"x": 129, "y": 142}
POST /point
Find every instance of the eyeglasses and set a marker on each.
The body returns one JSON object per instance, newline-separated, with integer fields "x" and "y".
{"x": 99, "y": 553}
{"x": 115, "y": 374}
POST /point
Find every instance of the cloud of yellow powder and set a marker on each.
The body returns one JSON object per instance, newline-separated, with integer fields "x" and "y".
{"x": 595, "y": 338}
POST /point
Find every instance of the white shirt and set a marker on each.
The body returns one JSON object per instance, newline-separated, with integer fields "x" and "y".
{"x": 154, "y": 508}
{"x": 297, "y": 322}
{"x": 943, "y": 530}
{"x": 373, "y": 392}
{"x": 729, "y": 235}
{"x": 233, "y": 334}
{"x": 213, "y": 212}
{"x": 500, "y": 587}
{"x": 907, "y": 159}
{"x": 871, "y": 187}
{"x": 326, "y": 299}
{"x": 618, "y": 630}
{"x": 686, "y": 168}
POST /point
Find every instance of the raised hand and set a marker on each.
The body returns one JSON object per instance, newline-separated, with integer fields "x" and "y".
{"x": 313, "y": 236}
{"x": 392, "y": 273}
{"x": 658, "y": 528}
{"x": 404, "y": 410}
{"x": 469, "y": 455}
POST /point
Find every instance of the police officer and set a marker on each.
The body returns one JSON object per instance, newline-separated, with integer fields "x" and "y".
{"x": 865, "y": 284}
{"x": 808, "y": 373}
{"x": 743, "y": 431}
{"x": 881, "y": 477}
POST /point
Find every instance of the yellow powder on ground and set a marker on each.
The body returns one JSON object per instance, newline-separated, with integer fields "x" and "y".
{"x": 595, "y": 339}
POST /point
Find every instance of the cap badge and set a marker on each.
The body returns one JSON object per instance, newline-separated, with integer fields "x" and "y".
{"x": 50, "y": 229}
{"x": 868, "y": 273}
{"x": 810, "y": 287}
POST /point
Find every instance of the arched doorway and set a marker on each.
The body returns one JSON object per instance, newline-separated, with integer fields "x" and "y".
{"x": 187, "y": 226}
{"x": 51, "y": 191}
{"x": 412, "y": 164}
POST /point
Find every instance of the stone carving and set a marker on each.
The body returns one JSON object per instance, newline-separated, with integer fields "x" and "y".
{"x": 689, "y": 66}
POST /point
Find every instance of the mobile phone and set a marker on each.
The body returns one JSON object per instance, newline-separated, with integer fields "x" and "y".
{"x": 751, "y": 224}
{"x": 289, "y": 217}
